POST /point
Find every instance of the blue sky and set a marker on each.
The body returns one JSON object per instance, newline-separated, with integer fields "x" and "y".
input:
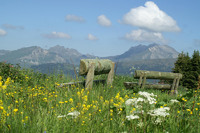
{"x": 99, "y": 27}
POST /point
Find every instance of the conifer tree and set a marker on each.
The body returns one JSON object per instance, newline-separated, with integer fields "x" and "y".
{"x": 189, "y": 67}
{"x": 182, "y": 65}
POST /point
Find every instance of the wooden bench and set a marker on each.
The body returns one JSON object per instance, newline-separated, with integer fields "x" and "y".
{"x": 91, "y": 67}
{"x": 143, "y": 75}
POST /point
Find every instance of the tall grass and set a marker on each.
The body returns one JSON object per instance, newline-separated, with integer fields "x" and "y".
{"x": 36, "y": 104}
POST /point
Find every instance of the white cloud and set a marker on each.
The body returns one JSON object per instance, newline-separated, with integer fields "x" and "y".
{"x": 145, "y": 36}
{"x": 92, "y": 37}
{"x": 58, "y": 35}
{"x": 104, "y": 21}
{"x": 9, "y": 26}
{"x": 74, "y": 18}
{"x": 150, "y": 17}
{"x": 2, "y": 32}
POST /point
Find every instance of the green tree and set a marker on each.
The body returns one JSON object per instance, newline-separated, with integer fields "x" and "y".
{"x": 195, "y": 69}
{"x": 183, "y": 66}
{"x": 189, "y": 67}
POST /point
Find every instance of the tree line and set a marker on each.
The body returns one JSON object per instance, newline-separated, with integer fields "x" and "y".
{"x": 189, "y": 67}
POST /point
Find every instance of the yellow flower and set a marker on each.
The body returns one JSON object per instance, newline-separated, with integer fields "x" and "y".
{"x": 196, "y": 108}
{"x": 61, "y": 102}
{"x": 1, "y": 107}
{"x": 191, "y": 112}
{"x": 15, "y": 110}
{"x": 71, "y": 100}
{"x": 188, "y": 110}
{"x": 161, "y": 106}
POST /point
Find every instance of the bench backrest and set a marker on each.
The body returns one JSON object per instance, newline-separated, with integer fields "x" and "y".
{"x": 157, "y": 75}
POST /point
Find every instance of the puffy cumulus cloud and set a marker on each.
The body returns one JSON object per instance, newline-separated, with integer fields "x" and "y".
{"x": 74, "y": 18}
{"x": 145, "y": 36}
{"x": 150, "y": 17}
{"x": 13, "y": 27}
{"x": 92, "y": 37}
{"x": 2, "y": 32}
{"x": 103, "y": 21}
{"x": 56, "y": 35}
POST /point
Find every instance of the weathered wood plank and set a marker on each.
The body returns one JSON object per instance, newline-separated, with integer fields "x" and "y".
{"x": 148, "y": 86}
{"x": 102, "y": 66}
{"x": 157, "y": 75}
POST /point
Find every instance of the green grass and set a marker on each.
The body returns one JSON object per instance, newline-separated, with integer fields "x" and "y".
{"x": 35, "y": 103}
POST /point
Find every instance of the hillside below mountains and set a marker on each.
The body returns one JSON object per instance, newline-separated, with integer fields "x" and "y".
{"x": 141, "y": 56}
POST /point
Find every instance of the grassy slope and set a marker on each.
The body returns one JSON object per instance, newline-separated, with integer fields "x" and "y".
{"x": 43, "y": 106}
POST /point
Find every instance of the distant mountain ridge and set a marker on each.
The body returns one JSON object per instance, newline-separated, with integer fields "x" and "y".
{"x": 148, "y": 57}
{"x": 142, "y": 52}
{"x": 36, "y": 55}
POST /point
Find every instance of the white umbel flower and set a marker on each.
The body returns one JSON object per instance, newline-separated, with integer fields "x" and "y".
{"x": 149, "y": 97}
{"x": 174, "y": 101}
{"x": 130, "y": 101}
{"x": 74, "y": 114}
{"x": 159, "y": 112}
{"x": 131, "y": 117}
{"x": 61, "y": 116}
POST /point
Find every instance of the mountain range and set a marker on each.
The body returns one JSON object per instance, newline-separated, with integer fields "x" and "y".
{"x": 139, "y": 56}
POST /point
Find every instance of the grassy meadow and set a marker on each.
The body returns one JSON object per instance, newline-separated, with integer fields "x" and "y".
{"x": 33, "y": 102}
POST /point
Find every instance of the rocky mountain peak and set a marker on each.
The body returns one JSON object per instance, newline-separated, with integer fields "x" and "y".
{"x": 152, "y": 51}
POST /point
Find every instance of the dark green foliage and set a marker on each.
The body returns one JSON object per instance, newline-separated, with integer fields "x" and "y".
{"x": 9, "y": 70}
{"x": 19, "y": 75}
{"x": 189, "y": 67}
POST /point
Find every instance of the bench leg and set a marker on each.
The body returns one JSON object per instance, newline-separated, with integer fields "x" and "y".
{"x": 90, "y": 77}
{"x": 143, "y": 82}
{"x": 111, "y": 75}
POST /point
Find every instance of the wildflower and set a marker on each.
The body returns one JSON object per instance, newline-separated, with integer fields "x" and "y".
{"x": 131, "y": 117}
{"x": 15, "y": 110}
{"x": 140, "y": 124}
{"x": 74, "y": 114}
{"x": 1, "y": 107}
{"x": 159, "y": 112}
{"x": 174, "y": 101}
{"x": 178, "y": 111}
{"x": 191, "y": 112}
{"x": 158, "y": 121}
{"x": 71, "y": 100}
{"x": 196, "y": 108}
{"x": 61, "y": 116}
{"x": 130, "y": 101}
{"x": 188, "y": 110}
{"x": 149, "y": 97}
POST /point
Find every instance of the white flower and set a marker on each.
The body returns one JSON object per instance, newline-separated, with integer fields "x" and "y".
{"x": 74, "y": 114}
{"x": 159, "y": 112}
{"x": 140, "y": 100}
{"x": 158, "y": 121}
{"x": 174, "y": 101}
{"x": 130, "y": 101}
{"x": 131, "y": 117}
{"x": 149, "y": 97}
{"x": 146, "y": 94}
{"x": 60, "y": 116}
{"x": 140, "y": 124}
